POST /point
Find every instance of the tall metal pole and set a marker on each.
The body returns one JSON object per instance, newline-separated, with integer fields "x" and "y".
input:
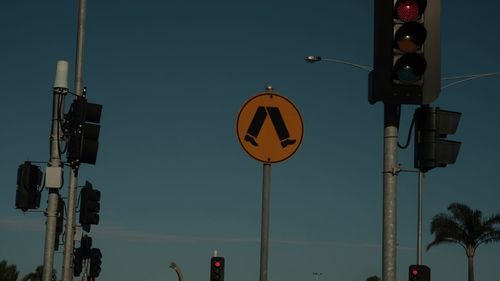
{"x": 389, "y": 239}
{"x": 264, "y": 236}
{"x": 73, "y": 181}
{"x": 419, "y": 219}
{"x": 59, "y": 91}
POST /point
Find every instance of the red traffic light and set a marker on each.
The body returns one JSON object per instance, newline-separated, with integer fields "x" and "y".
{"x": 408, "y": 10}
{"x": 419, "y": 273}
{"x": 217, "y": 264}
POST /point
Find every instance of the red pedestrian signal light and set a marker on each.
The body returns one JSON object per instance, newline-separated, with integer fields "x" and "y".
{"x": 419, "y": 273}
{"x": 407, "y": 67}
{"x": 217, "y": 269}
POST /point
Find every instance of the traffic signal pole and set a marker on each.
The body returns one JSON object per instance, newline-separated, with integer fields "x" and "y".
{"x": 59, "y": 91}
{"x": 419, "y": 219}
{"x": 391, "y": 170}
{"x": 67, "y": 270}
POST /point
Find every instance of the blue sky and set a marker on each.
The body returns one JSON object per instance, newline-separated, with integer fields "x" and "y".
{"x": 175, "y": 183}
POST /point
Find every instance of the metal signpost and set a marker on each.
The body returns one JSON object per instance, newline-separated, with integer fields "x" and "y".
{"x": 270, "y": 129}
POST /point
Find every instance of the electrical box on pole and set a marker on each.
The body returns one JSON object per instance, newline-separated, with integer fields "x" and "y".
{"x": 407, "y": 52}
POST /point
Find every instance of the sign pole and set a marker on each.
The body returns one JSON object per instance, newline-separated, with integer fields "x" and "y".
{"x": 270, "y": 129}
{"x": 264, "y": 236}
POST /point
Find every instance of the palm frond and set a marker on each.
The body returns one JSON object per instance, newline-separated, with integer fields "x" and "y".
{"x": 438, "y": 241}
{"x": 493, "y": 219}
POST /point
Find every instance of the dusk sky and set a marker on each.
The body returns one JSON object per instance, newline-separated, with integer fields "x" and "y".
{"x": 176, "y": 184}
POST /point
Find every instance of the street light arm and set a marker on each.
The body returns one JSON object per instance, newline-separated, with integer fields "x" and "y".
{"x": 313, "y": 59}
{"x": 363, "y": 67}
{"x": 177, "y": 270}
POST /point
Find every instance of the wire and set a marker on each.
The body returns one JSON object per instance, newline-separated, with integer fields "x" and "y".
{"x": 465, "y": 78}
{"x": 409, "y": 135}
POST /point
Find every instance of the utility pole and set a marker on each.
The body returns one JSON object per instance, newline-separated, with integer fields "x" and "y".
{"x": 73, "y": 182}
{"x": 54, "y": 167}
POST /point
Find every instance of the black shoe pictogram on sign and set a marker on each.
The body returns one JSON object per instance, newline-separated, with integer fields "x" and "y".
{"x": 278, "y": 123}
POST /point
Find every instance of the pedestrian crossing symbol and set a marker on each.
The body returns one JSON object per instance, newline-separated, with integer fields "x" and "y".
{"x": 269, "y": 127}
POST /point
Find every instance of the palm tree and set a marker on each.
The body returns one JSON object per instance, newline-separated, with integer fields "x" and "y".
{"x": 8, "y": 272}
{"x": 38, "y": 275}
{"x": 373, "y": 278}
{"x": 467, "y": 228}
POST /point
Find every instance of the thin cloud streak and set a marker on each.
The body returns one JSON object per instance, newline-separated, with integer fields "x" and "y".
{"x": 24, "y": 224}
{"x": 128, "y": 235}
{"x": 120, "y": 233}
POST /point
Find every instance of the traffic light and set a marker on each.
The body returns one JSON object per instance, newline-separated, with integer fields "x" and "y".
{"x": 95, "y": 262}
{"x": 77, "y": 262}
{"x": 419, "y": 273}
{"x": 432, "y": 125}
{"x": 407, "y": 52}
{"x": 89, "y": 206}
{"x": 85, "y": 246}
{"x": 80, "y": 254}
{"x": 83, "y": 129}
{"x": 60, "y": 220}
{"x": 29, "y": 180}
{"x": 217, "y": 269}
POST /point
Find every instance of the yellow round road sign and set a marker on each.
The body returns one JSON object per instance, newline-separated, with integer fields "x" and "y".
{"x": 269, "y": 127}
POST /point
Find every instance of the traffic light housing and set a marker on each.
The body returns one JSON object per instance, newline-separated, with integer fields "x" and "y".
{"x": 419, "y": 273}
{"x": 407, "y": 52}
{"x": 77, "y": 262}
{"x": 86, "y": 246}
{"x": 89, "y": 206}
{"x": 80, "y": 254}
{"x": 60, "y": 220}
{"x": 83, "y": 130}
{"x": 29, "y": 180}
{"x": 95, "y": 262}
{"x": 217, "y": 269}
{"x": 432, "y": 126}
